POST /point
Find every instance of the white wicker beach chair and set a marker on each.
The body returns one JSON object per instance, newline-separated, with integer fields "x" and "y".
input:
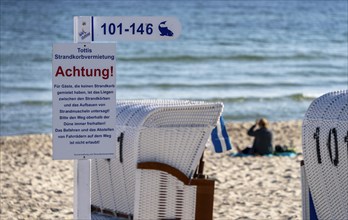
{"x": 170, "y": 134}
{"x": 325, "y": 151}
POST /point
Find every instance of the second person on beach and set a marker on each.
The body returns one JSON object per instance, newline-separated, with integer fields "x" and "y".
{"x": 262, "y": 144}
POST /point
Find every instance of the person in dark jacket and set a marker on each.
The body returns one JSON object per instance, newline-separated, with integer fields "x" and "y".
{"x": 262, "y": 144}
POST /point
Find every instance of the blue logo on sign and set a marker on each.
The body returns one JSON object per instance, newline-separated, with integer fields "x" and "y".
{"x": 164, "y": 30}
{"x": 83, "y": 34}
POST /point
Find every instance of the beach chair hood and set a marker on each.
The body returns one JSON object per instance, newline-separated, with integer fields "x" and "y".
{"x": 325, "y": 151}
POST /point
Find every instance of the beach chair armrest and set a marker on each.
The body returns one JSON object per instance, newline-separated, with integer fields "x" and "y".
{"x": 203, "y": 189}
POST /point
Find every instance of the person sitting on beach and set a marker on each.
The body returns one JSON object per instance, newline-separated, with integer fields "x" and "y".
{"x": 262, "y": 144}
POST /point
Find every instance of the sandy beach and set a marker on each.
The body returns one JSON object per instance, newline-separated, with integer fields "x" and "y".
{"x": 33, "y": 186}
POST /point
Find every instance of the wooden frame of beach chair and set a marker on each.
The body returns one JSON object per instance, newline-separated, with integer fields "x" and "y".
{"x": 169, "y": 133}
{"x": 325, "y": 151}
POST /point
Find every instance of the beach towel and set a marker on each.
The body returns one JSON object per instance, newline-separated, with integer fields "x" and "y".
{"x": 282, "y": 154}
{"x": 219, "y": 140}
{"x": 248, "y": 155}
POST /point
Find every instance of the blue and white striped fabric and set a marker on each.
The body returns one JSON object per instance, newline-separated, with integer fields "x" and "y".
{"x": 219, "y": 138}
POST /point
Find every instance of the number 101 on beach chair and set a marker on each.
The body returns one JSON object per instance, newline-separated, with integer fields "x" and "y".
{"x": 325, "y": 150}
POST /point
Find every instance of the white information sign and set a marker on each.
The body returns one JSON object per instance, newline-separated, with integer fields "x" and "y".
{"x": 101, "y": 28}
{"x": 84, "y": 101}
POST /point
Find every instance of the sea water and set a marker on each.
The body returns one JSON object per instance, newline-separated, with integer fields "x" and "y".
{"x": 260, "y": 58}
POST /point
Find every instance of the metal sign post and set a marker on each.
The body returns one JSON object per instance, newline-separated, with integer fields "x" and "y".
{"x": 90, "y": 29}
{"x": 82, "y": 171}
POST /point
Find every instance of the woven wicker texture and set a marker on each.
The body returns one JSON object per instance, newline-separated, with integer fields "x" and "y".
{"x": 169, "y": 131}
{"x": 112, "y": 180}
{"x": 162, "y": 196}
{"x": 326, "y": 165}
